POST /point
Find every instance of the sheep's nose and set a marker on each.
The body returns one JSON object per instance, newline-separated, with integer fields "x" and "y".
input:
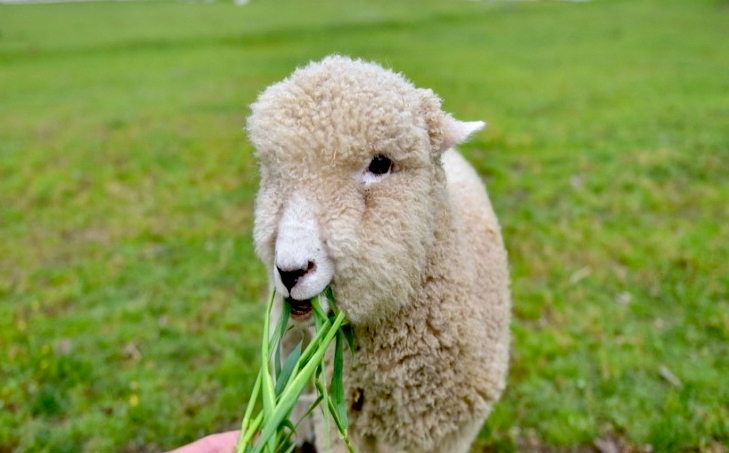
{"x": 289, "y": 277}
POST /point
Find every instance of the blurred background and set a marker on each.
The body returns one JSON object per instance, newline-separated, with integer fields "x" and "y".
{"x": 129, "y": 293}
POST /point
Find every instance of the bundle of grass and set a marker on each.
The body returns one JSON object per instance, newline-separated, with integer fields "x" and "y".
{"x": 282, "y": 380}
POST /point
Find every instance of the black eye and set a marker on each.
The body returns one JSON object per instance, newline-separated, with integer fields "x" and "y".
{"x": 379, "y": 165}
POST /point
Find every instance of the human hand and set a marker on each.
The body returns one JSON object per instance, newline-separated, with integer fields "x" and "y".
{"x": 214, "y": 443}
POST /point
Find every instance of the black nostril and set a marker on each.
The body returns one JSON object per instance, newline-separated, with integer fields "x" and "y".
{"x": 290, "y": 278}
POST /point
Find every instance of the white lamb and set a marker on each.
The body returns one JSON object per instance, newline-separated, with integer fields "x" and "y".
{"x": 361, "y": 190}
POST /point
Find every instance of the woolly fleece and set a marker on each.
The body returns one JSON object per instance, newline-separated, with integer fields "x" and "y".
{"x": 419, "y": 266}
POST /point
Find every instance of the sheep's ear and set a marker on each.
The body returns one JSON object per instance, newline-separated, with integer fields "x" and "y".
{"x": 455, "y": 131}
{"x": 444, "y": 130}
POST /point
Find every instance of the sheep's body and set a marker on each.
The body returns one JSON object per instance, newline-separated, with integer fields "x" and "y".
{"x": 414, "y": 255}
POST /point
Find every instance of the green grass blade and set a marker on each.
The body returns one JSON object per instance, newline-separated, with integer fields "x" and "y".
{"x": 283, "y": 441}
{"x": 315, "y": 341}
{"x": 348, "y": 333}
{"x": 267, "y": 392}
{"x": 329, "y": 294}
{"x": 337, "y": 387}
{"x": 313, "y": 406}
{"x": 283, "y": 321}
{"x": 291, "y": 361}
{"x": 244, "y": 443}
{"x": 319, "y": 313}
{"x": 251, "y": 403}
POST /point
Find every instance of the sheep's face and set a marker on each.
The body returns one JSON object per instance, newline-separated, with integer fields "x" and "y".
{"x": 351, "y": 184}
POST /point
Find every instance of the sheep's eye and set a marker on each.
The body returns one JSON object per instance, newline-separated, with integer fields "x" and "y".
{"x": 379, "y": 165}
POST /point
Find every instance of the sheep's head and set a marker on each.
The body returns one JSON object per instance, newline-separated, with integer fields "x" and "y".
{"x": 352, "y": 186}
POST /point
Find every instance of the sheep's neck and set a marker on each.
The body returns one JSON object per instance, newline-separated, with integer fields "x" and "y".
{"x": 426, "y": 327}
{"x": 404, "y": 364}
{"x": 430, "y": 308}
{"x": 423, "y": 324}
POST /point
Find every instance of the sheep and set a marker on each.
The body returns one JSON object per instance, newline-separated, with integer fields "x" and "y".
{"x": 361, "y": 190}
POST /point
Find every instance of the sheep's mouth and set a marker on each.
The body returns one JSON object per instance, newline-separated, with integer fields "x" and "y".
{"x": 299, "y": 308}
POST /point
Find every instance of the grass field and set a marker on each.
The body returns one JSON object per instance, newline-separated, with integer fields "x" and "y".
{"x": 130, "y": 299}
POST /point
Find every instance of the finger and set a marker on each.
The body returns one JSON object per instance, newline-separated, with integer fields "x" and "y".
{"x": 214, "y": 443}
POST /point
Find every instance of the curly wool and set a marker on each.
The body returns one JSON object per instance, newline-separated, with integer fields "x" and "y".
{"x": 419, "y": 266}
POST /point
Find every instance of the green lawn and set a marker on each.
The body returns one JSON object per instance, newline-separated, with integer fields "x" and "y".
{"x": 130, "y": 298}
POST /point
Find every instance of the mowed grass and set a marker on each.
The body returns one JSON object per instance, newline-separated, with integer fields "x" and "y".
{"x": 130, "y": 298}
